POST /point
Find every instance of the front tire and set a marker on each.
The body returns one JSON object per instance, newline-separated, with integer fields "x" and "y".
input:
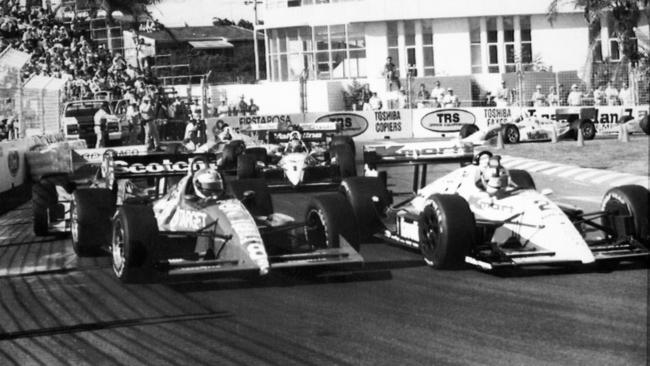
{"x": 344, "y": 155}
{"x": 328, "y": 216}
{"x": 44, "y": 197}
{"x": 359, "y": 192}
{"x": 629, "y": 200}
{"x": 588, "y": 130}
{"x": 447, "y": 231}
{"x": 467, "y": 130}
{"x": 521, "y": 179}
{"x": 134, "y": 229}
{"x": 90, "y": 220}
{"x": 246, "y": 167}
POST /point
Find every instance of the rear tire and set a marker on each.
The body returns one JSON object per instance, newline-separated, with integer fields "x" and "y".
{"x": 511, "y": 134}
{"x": 90, "y": 218}
{"x": 467, "y": 130}
{"x": 134, "y": 230}
{"x": 44, "y": 197}
{"x": 342, "y": 140}
{"x": 629, "y": 200}
{"x": 344, "y": 155}
{"x": 258, "y": 153}
{"x": 588, "y": 130}
{"x": 359, "y": 192}
{"x": 521, "y": 179}
{"x": 246, "y": 167}
{"x": 230, "y": 154}
{"x": 447, "y": 231}
{"x": 261, "y": 204}
{"x": 328, "y": 216}
{"x": 644, "y": 124}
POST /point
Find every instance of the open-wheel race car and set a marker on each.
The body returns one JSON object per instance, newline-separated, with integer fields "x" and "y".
{"x": 492, "y": 218}
{"x": 525, "y": 127}
{"x": 302, "y": 156}
{"x": 176, "y": 215}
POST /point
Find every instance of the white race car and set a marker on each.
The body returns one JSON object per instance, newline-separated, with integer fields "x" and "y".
{"x": 489, "y": 217}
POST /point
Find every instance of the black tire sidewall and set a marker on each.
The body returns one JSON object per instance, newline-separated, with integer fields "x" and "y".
{"x": 337, "y": 218}
{"x": 635, "y": 199}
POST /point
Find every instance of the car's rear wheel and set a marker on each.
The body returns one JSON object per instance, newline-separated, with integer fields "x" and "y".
{"x": 259, "y": 203}
{"x": 328, "y": 216}
{"x": 342, "y": 140}
{"x": 246, "y": 167}
{"x": 511, "y": 134}
{"x": 134, "y": 229}
{"x": 628, "y": 200}
{"x": 467, "y": 130}
{"x": 588, "y": 129}
{"x": 90, "y": 220}
{"x": 231, "y": 152}
{"x": 258, "y": 153}
{"x": 43, "y": 198}
{"x": 521, "y": 179}
{"x": 644, "y": 124}
{"x": 344, "y": 155}
{"x": 359, "y": 192}
{"x": 447, "y": 231}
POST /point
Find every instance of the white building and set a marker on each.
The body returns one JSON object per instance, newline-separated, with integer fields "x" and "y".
{"x": 336, "y": 39}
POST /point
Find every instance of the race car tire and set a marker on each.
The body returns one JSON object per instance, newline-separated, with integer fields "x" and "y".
{"x": 327, "y": 216}
{"x": 44, "y": 197}
{"x": 644, "y": 124}
{"x": 446, "y": 231}
{"x": 588, "y": 129}
{"x": 258, "y": 153}
{"x": 344, "y": 155}
{"x": 230, "y": 154}
{"x": 260, "y": 204}
{"x": 133, "y": 232}
{"x": 246, "y": 167}
{"x": 90, "y": 220}
{"x": 359, "y": 192}
{"x": 628, "y": 200}
{"x": 342, "y": 140}
{"x": 467, "y": 130}
{"x": 521, "y": 179}
{"x": 511, "y": 134}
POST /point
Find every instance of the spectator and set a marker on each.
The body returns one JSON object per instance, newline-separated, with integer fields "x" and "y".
{"x": 435, "y": 103}
{"x": 626, "y": 96}
{"x": 563, "y": 94}
{"x": 488, "y": 100}
{"x": 423, "y": 97}
{"x": 147, "y": 114}
{"x": 438, "y": 92}
{"x": 600, "y": 98}
{"x": 575, "y": 96}
{"x": 553, "y": 99}
{"x": 391, "y": 74}
{"x": 253, "y": 108}
{"x": 392, "y": 99}
{"x": 100, "y": 125}
{"x": 402, "y": 99}
{"x": 374, "y": 103}
{"x": 243, "y": 107}
{"x": 364, "y": 95}
{"x": 612, "y": 94}
{"x": 503, "y": 95}
{"x": 539, "y": 99}
{"x": 4, "y": 132}
{"x": 222, "y": 108}
{"x": 133, "y": 120}
{"x": 450, "y": 100}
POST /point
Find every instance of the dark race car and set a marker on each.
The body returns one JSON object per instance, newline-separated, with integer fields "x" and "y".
{"x": 169, "y": 215}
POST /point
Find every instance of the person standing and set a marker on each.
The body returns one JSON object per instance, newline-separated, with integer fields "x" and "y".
{"x": 625, "y": 95}
{"x": 374, "y": 103}
{"x": 503, "y": 95}
{"x": 575, "y": 96}
{"x": 222, "y": 108}
{"x": 253, "y": 108}
{"x": 100, "y": 125}
{"x": 147, "y": 113}
{"x": 450, "y": 100}
{"x": 423, "y": 97}
{"x": 599, "y": 96}
{"x": 539, "y": 99}
{"x": 612, "y": 94}
{"x": 133, "y": 119}
{"x": 553, "y": 99}
{"x": 390, "y": 73}
{"x": 437, "y": 92}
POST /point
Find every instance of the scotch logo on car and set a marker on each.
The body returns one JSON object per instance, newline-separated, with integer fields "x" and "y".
{"x": 447, "y": 120}
{"x": 350, "y": 124}
{"x": 13, "y": 162}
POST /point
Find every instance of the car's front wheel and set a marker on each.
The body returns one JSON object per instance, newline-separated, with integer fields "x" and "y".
{"x": 628, "y": 200}
{"x": 511, "y": 134}
{"x": 134, "y": 229}
{"x": 328, "y": 216}
{"x": 447, "y": 231}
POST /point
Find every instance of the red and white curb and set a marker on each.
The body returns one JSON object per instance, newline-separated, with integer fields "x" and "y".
{"x": 597, "y": 176}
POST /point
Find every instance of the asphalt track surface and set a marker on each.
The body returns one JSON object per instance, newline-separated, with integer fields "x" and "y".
{"x": 56, "y": 309}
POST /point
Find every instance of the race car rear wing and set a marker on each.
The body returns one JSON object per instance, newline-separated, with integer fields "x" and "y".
{"x": 154, "y": 165}
{"x": 417, "y": 153}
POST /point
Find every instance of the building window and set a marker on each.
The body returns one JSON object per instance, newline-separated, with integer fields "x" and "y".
{"x": 409, "y": 42}
{"x": 325, "y": 52}
{"x": 508, "y": 47}
{"x": 393, "y": 52}
{"x": 427, "y": 48}
{"x": 475, "y": 45}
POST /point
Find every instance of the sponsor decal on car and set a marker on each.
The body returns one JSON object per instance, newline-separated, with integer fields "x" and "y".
{"x": 13, "y": 162}
{"x": 350, "y": 124}
{"x": 447, "y": 120}
{"x": 166, "y": 166}
{"x": 411, "y": 151}
{"x": 187, "y": 219}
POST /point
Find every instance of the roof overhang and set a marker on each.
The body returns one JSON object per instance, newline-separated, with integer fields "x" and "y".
{"x": 215, "y": 44}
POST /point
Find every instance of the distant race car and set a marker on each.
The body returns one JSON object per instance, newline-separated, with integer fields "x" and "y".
{"x": 492, "y": 218}
{"x": 303, "y": 156}
{"x": 536, "y": 128}
{"x": 176, "y": 215}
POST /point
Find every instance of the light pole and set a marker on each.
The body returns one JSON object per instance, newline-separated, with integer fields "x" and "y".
{"x": 257, "y": 57}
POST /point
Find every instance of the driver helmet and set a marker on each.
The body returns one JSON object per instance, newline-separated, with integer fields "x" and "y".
{"x": 225, "y": 135}
{"x": 208, "y": 183}
{"x": 295, "y": 142}
{"x": 494, "y": 176}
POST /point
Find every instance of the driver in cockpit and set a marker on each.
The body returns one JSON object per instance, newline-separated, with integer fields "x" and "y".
{"x": 208, "y": 183}
{"x": 492, "y": 176}
{"x": 295, "y": 144}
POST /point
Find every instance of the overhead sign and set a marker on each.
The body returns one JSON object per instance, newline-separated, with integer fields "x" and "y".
{"x": 447, "y": 120}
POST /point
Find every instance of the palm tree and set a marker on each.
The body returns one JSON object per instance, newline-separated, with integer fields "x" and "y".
{"x": 626, "y": 14}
